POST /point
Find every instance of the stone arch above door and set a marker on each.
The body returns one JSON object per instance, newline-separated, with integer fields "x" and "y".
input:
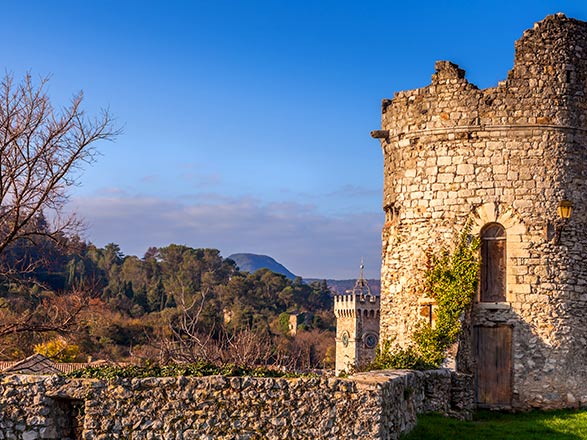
{"x": 497, "y": 213}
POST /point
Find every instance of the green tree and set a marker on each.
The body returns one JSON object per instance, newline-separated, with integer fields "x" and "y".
{"x": 156, "y": 296}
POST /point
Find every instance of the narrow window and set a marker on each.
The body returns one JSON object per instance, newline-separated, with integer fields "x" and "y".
{"x": 569, "y": 77}
{"x": 493, "y": 263}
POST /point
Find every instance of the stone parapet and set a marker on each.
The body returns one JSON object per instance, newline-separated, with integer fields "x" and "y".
{"x": 375, "y": 405}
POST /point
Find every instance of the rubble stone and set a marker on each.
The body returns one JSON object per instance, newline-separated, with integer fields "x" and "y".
{"x": 509, "y": 154}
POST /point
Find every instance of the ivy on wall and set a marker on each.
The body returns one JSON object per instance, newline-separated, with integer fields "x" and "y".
{"x": 451, "y": 279}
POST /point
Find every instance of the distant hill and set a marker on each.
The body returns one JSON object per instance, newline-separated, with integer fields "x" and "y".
{"x": 253, "y": 262}
{"x": 341, "y": 286}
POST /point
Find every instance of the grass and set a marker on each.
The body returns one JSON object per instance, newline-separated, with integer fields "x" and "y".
{"x": 488, "y": 425}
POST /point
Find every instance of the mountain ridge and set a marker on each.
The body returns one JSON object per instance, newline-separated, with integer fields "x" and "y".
{"x": 251, "y": 263}
{"x": 248, "y": 262}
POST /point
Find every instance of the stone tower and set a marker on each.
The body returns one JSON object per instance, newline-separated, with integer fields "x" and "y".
{"x": 511, "y": 160}
{"x": 357, "y": 326}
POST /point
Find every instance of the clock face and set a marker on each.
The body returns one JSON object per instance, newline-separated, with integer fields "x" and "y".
{"x": 345, "y": 338}
{"x": 370, "y": 340}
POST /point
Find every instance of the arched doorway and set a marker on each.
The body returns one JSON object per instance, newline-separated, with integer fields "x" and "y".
{"x": 493, "y": 344}
{"x": 493, "y": 263}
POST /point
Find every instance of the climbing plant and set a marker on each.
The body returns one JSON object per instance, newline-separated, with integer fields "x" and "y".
{"x": 197, "y": 369}
{"x": 451, "y": 279}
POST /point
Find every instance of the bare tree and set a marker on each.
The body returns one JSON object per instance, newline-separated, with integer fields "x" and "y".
{"x": 55, "y": 313}
{"x": 183, "y": 339}
{"x": 61, "y": 313}
{"x": 187, "y": 340}
{"x": 40, "y": 150}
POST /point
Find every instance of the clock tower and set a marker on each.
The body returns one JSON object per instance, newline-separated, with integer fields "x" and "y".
{"x": 357, "y": 326}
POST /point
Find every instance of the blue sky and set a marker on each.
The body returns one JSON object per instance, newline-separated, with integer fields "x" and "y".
{"x": 246, "y": 123}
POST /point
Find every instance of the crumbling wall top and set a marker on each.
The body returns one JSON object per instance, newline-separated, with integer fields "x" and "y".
{"x": 445, "y": 70}
{"x": 547, "y": 86}
{"x": 556, "y": 40}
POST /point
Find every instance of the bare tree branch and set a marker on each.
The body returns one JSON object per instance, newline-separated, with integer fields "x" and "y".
{"x": 57, "y": 313}
{"x": 40, "y": 150}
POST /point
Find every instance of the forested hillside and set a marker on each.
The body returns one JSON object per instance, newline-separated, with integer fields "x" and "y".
{"x": 72, "y": 300}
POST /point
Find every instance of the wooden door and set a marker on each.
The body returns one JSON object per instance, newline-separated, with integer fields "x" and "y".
{"x": 493, "y": 375}
{"x": 493, "y": 263}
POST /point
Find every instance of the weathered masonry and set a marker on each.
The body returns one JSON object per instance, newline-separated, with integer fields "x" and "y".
{"x": 377, "y": 406}
{"x": 357, "y": 326}
{"x": 512, "y": 160}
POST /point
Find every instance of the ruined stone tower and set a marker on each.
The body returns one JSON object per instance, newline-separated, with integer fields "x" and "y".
{"x": 511, "y": 160}
{"x": 357, "y": 326}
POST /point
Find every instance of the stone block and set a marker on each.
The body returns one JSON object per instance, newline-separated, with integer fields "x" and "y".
{"x": 465, "y": 169}
{"x": 445, "y": 177}
{"x": 443, "y": 160}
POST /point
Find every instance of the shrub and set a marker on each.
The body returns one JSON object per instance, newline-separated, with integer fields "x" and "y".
{"x": 451, "y": 279}
{"x": 198, "y": 369}
{"x": 58, "y": 350}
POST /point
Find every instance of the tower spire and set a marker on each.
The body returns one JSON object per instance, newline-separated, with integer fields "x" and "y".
{"x": 361, "y": 286}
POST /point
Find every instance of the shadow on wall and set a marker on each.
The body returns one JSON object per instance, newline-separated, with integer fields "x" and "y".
{"x": 513, "y": 366}
{"x": 67, "y": 416}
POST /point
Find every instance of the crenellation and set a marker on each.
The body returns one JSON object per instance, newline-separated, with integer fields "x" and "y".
{"x": 508, "y": 155}
{"x": 357, "y": 324}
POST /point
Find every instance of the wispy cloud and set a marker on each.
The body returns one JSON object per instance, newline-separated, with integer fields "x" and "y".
{"x": 152, "y": 178}
{"x": 201, "y": 180}
{"x": 309, "y": 243}
{"x": 355, "y": 191}
{"x": 349, "y": 193}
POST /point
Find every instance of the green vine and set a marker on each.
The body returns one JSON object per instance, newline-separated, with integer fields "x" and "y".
{"x": 198, "y": 369}
{"x": 451, "y": 279}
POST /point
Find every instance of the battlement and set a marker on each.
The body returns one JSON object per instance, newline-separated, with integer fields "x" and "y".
{"x": 350, "y": 304}
{"x": 545, "y": 88}
{"x": 357, "y": 325}
{"x": 505, "y": 156}
{"x": 357, "y": 298}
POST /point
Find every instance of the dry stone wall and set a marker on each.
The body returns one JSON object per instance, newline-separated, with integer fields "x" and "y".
{"x": 455, "y": 154}
{"x": 370, "y": 406}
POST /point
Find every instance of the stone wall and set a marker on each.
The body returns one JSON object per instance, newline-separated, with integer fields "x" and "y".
{"x": 377, "y": 405}
{"x": 455, "y": 154}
